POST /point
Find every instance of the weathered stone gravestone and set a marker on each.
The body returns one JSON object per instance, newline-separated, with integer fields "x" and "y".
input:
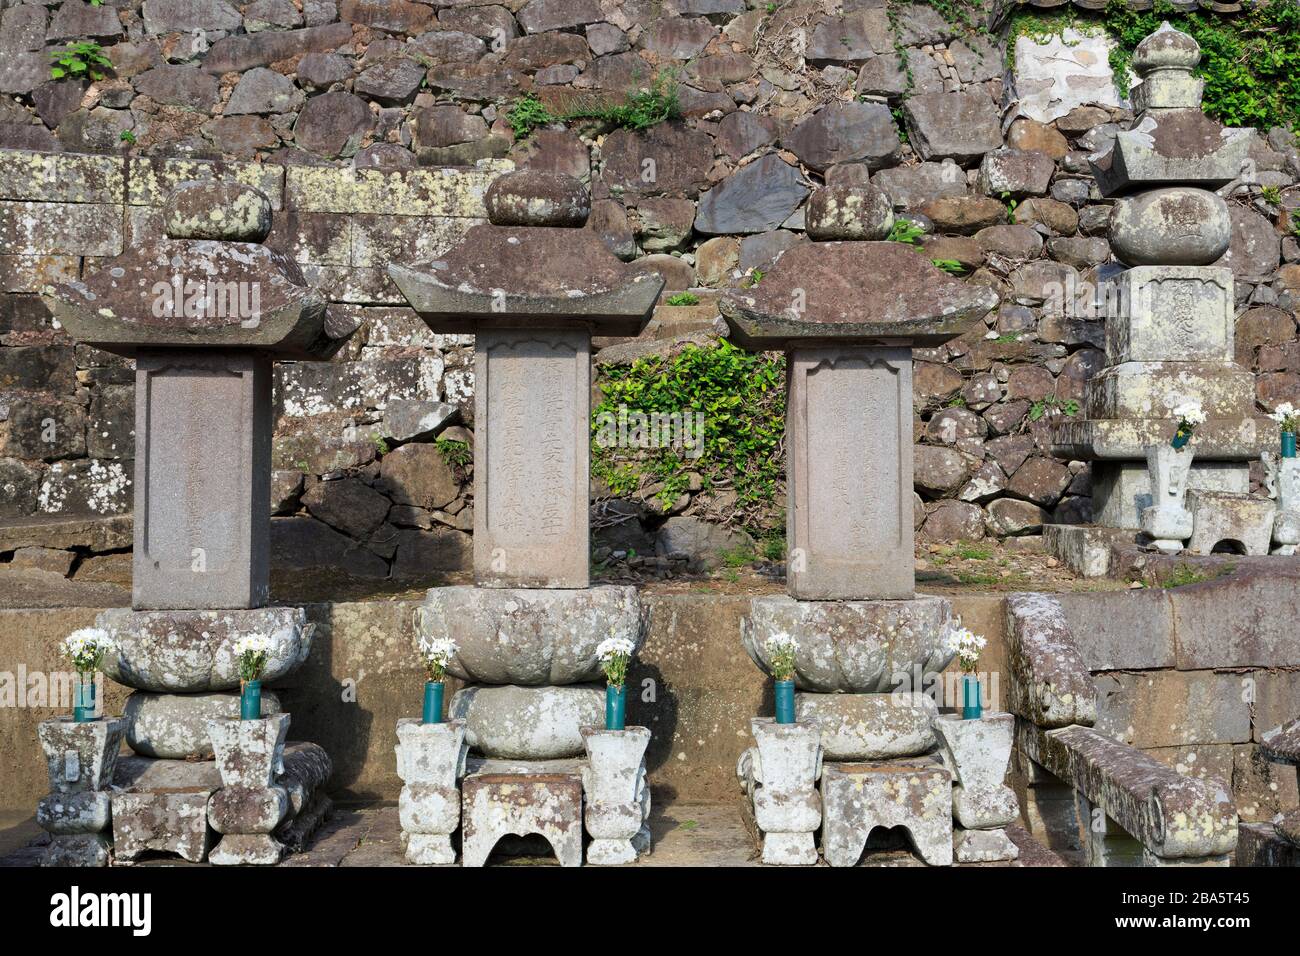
{"x": 533, "y": 286}
{"x": 847, "y": 314}
{"x": 1169, "y": 336}
{"x": 204, "y": 312}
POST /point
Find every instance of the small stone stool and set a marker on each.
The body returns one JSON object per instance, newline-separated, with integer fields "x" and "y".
{"x": 504, "y": 804}
{"x": 1227, "y": 516}
{"x": 167, "y": 821}
{"x": 857, "y": 798}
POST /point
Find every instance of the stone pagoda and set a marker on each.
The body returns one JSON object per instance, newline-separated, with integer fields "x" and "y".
{"x": 1170, "y": 316}
{"x": 847, "y": 311}
{"x": 533, "y": 287}
{"x": 204, "y": 312}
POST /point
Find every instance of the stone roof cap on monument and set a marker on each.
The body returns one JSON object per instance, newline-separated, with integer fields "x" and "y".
{"x": 209, "y": 283}
{"x": 854, "y": 293}
{"x": 1171, "y": 141}
{"x": 531, "y": 266}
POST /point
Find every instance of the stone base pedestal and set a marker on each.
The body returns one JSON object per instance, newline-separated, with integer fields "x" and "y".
{"x": 1121, "y": 490}
{"x": 1085, "y": 549}
{"x": 498, "y": 804}
{"x": 168, "y": 806}
{"x": 779, "y": 775}
{"x": 1238, "y": 522}
{"x": 869, "y": 726}
{"x": 175, "y": 726}
{"x": 528, "y": 723}
{"x": 858, "y": 797}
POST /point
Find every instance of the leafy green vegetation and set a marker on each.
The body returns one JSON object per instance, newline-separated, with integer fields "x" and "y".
{"x": 741, "y": 397}
{"x": 905, "y": 231}
{"x": 84, "y": 59}
{"x": 1183, "y": 574}
{"x": 457, "y": 454}
{"x": 128, "y": 137}
{"x": 640, "y": 109}
{"x": 682, "y": 298}
{"x": 950, "y": 266}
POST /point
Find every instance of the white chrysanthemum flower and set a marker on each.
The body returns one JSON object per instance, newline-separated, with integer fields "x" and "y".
{"x": 965, "y": 645}
{"x": 252, "y": 644}
{"x": 610, "y": 646}
{"x": 1190, "y": 413}
{"x": 86, "y": 647}
{"x": 1286, "y": 415}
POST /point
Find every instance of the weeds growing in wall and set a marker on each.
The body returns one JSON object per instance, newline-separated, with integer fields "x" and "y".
{"x": 640, "y": 109}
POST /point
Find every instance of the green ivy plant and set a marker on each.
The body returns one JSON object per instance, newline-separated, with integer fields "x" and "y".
{"x": 456, "y": 454}
{"x": 84, "y": 59}
{"x": 905, "y": 231}
{"x": 950, "y": 266}
{"x": 742, "y": 398}
{"x": 682, "y": 298}
{"x": 1068, "y": 407}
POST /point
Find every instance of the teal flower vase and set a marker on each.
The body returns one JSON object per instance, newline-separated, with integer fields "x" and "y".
{"x": 785, "y": 702}
{"x": 1181, "y": 439}
{"x": 250, "y": 700}
{"x": 433, "y": 691}
{"x": 615, "y": 707}
{"x": 1288, "y": 444}
{"x": 83, "y": 701}
{"x": 972, "y": 704}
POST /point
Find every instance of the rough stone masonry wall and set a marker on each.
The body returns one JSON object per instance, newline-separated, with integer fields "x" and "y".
{"x": 344, "y": 112}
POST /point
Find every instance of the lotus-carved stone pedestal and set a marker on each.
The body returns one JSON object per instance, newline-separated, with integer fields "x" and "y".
{"x": 533, "y": 289}
{"x": 77, "y": 812}
{"x": 848, "y": 314}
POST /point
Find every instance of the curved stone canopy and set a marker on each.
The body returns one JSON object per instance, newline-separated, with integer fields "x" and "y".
{"x": 855, "y": 293}
{"x": 191, "y": 652}
{"x": 529, "y": 636}
{"x": 198, "y": 293}
{"x": 853, "y": 647}
{"x": 529, "y": 276}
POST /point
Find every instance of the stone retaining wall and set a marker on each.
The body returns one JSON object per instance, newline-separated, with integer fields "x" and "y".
{"x": 345, "y": 112}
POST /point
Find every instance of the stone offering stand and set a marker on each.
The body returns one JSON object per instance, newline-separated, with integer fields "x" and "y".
{"x": 204, "y": 312}
{"x": 848, "y": 311}
{"x": 525, "y": 743}
{"x": 1170, "y": 340}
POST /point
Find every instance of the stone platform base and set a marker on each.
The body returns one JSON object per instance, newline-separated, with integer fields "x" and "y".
{"x": 163, "y": 806}
{"x": 1085, "y": 549}
{"x": 870, "y": 726}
